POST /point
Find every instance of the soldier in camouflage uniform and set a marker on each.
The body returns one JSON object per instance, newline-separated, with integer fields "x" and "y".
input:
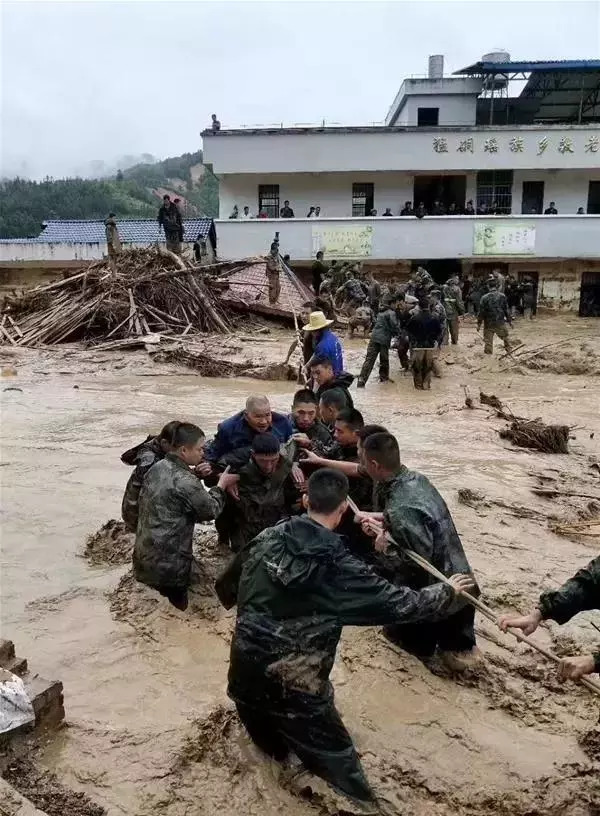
{"x": 143, "y": 456}
{"x": 373, "y": 292}
{"x": 439, "y": 310}
{"x": 385, "y": 329}
{"x": 266, "y": 493}
{"x": 362, "y": 318}
{"x": 172, "y": 500}
{"x": 273, "y": 272}
{"x": 453, "y": 303}
{"x": 299, "y": 587}
{"x": 579, "y": 594}
{"x": 494, "y": 314}
{"x": 307, "y": 427}
{"x": 420, "y": 280}
{"x": 417, "y": 518}
{"x": 350, "y": 294}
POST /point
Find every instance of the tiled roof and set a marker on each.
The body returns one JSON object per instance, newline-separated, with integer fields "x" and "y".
{"x": 138, "y": 231}
{"x": 250, "y": 285}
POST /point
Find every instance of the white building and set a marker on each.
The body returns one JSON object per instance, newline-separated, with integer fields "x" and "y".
{"x": 467, "y": 137}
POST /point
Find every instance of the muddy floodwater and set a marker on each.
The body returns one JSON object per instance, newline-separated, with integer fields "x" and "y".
{"x": 149, "y": 727}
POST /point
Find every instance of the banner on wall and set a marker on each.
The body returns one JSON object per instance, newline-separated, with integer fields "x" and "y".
{"x": 353, "y": 241}
{"x": 503, "y": 239}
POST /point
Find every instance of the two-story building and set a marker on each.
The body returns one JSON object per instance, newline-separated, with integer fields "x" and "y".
{"x": 514, "y": 139}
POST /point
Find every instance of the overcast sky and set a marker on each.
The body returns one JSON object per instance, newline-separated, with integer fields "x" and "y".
{"x": 84, "y": 81}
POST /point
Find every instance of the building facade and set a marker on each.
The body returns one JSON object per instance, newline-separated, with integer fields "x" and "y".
{"x": 447, "y": 141}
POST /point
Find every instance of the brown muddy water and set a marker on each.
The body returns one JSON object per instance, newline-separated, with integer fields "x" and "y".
{"x": 150, "y": 729}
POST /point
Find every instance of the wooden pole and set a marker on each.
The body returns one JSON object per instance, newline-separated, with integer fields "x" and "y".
{"x": 592, "y": 685}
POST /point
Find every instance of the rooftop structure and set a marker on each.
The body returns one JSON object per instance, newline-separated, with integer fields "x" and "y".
{"x": 131, "y": 231}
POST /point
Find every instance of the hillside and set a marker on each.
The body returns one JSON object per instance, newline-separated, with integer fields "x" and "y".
{"x": 134, "y": 193}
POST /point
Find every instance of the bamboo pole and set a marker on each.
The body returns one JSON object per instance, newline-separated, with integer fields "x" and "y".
{"x": 592, "y": 685}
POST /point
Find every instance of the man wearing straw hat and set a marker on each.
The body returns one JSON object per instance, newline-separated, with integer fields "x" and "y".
{"x": 326, "y": 343}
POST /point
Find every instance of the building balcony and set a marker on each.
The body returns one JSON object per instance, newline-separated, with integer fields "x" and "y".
{"x": 408, "y": 238}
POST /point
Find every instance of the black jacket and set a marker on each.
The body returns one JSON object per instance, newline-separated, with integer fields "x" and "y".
{"x": 341, "y": 383}
{"x": 578, "y": 594}
{"x": 299, "y": 587}
{"x": 143, "y": 456}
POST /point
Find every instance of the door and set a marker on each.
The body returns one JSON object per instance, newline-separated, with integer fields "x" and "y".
{"x": 363, "y": 196}
{"x": 446, "y": 189}
{"x": 593, "y": 202}
{"x": 589, "y": 299}
{"x": 532, "y": 201}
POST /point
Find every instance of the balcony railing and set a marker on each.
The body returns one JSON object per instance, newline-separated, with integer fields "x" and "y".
{"x": 404, "y": 238}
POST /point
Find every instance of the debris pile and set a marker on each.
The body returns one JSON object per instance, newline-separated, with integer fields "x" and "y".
{"x": 146, "y": 291}
{"x": 535, "y": 434}
{"x": 529, "y": 433}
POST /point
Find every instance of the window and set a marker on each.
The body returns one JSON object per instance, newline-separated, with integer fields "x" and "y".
{"x": 268, "y": 199}
{"x": 363, "y": 196}
{"x": 494, "y": 191}
{"x": 428, "y": 117}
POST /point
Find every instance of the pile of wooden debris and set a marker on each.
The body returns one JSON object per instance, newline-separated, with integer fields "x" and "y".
{"x": 529, "y": 433}
{"x": 145, "y": 292}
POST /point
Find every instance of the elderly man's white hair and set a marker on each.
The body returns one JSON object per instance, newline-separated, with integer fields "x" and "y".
{"x": 257, "y": 402}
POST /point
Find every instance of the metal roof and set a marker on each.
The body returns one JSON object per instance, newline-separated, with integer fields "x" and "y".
{"x": 131, "y": 231}
{"x": 530, "y": 66}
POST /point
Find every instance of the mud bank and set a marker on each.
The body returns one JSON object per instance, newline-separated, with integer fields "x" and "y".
{"x": 150, "y": 728}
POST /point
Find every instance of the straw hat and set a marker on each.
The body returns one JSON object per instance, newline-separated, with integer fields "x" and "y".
{"x": 316, "y": 321}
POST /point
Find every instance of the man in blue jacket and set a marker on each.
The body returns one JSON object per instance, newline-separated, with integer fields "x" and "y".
{"x": 232, "y": 446}
{"x": 234, "y": 437}
{"x": 326, "y": 343}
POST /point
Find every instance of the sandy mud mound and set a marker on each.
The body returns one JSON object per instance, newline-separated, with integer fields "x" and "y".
{"x": 45, "y": 791}
{"x": 590, "y": 743}
{"x": 144, "y": 608}
{"x": 112, "y": 544}
{"x": 580, "y": 360}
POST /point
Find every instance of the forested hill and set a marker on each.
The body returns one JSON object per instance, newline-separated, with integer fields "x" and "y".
{"x": 132, "y": 193}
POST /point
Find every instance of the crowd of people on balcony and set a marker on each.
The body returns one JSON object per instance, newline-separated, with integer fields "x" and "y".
{"x": 438, "y": 208}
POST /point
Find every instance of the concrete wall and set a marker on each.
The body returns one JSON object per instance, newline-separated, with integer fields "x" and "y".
{"x": 331, "y": 191}
{"x": 454, "y": 109}
{"x": 568, "y": 189}
{"x": 437, "y": 93}
{"x": 411, "y": 150}
{"x": 559, "y": 282}
{"x": 559, "y": 236}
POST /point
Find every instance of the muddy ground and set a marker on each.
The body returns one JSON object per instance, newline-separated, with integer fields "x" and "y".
{"x": 149, "y": 727}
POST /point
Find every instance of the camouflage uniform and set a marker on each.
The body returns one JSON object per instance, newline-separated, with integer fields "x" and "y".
{"x": 578, "y": 594}
{"x": 263, "y": 501}
{"x": 353, "y": 296}
{"x": 453, "y": 303}
{"x": 374, "y": 294}
{"x": 418, "y": 519}
{"x": 143, "y": 457}
{"x": 438, "y": 310}
{"x": 362, "y": 317}
{"x": 273, "y": 271}
{"x": 172, "y": 500}
{"x": 113, "y": 240}
{"x": 386, "y": 327}
{"x": 299, "y": 588}
{"x": 494, "y": 314}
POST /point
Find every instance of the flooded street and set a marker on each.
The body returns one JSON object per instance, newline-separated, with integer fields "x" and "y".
{"x": 150, "y": 729}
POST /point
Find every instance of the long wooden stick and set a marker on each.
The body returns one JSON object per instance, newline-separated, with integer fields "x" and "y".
{"x": 593, "y": 685}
